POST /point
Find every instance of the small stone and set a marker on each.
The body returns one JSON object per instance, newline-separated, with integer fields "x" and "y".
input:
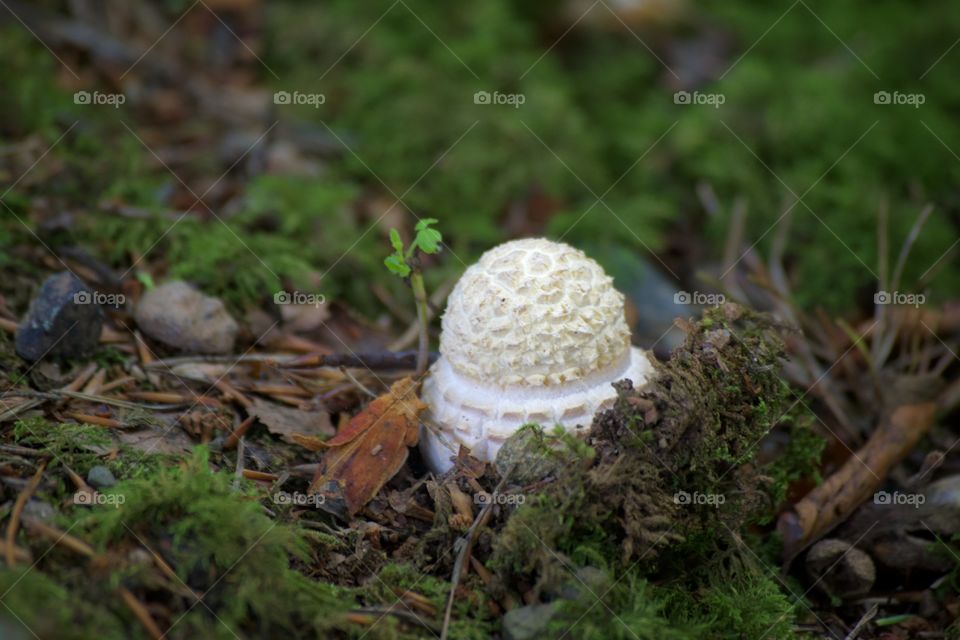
{"x": 62, "y": 321}
{"x": 840, "y": 569}
{"x": 100, "y": 477}
{"x": 529, "y": 622}
{"x": 526, "y": 455}
{"x": 178, "y": 315}
{"x": 585, "y": 582}
{"x": 39, "y": 510}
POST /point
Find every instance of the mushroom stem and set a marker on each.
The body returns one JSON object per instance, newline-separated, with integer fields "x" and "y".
{"x": 420, "y": 295}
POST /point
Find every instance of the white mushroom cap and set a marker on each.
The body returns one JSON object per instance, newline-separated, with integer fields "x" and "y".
{"x": 533, "y": 332}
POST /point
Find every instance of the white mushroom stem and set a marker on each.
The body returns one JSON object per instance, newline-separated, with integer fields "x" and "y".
{"x": 485, "y": 416}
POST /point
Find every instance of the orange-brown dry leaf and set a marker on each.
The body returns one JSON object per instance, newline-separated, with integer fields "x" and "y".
{"x": 371, "y": 448}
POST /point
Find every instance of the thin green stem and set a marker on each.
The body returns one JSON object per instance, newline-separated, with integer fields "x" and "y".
{"x": 420, "y": 295}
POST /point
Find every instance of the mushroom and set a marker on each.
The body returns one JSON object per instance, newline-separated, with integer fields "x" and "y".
{"x": 534, "y": 332}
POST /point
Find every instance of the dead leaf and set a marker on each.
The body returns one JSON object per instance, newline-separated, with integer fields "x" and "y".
{"x": 289, "y": 423}
{"x": 371, "y": 448}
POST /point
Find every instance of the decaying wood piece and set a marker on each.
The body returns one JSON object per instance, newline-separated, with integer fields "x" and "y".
{"x": 860, "y": 476}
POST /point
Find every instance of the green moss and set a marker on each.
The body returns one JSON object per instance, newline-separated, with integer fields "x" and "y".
{"x": 689, "y": 433}
{"x": 401, "y": 100}
{"x": 471, "y": 617}
{"x": 799, "y": 460}
{"x": 736, "y": 604}
{"x": 71, "y": 615}
{"x": 78, "y": 445}
{"x": 629, "y": 608}
{"x": 31, "y": 101}
{"x": 402, "y": 96}
{"x": 81, "y": 446}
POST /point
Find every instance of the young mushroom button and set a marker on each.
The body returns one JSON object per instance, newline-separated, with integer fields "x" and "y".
{"x": 533, "y": 332}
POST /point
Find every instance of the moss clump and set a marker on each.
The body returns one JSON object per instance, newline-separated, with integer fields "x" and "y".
{"x": 668, "y": 485}
{"x": 222, "y": 545}
{"x": 82, "y": 446}
{"x": 78, "y": 445}
{"x": 732, "y": 596}
{"x": 471, "y": 618}
{"x": 37, "y": 606}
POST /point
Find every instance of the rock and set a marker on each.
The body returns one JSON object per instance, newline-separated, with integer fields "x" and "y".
{"x": 529, "y": 622}
{"x": 39, "y": 510}
{"x": 178, "y": 315}
{"x": 527, "y": 453}
{"x": 100, "y": 477}
{"x": 587, "y": 582}
{"x": 840, "y": 569}
{"x": 62, "y": 321}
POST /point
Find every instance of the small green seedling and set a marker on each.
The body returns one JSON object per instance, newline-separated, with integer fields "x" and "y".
{"x": 146, "y": 280}
{"x": 406, "y": 265}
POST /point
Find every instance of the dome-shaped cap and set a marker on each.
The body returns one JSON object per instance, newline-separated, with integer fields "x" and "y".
{"x": 534, "y": 313}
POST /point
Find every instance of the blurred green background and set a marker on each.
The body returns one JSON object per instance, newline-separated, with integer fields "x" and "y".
{"x": 798, "y": 118}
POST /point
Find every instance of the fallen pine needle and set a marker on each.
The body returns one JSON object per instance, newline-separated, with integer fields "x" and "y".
{"x": 228, "y": 390}
{"x": 82, "y": 379}
{"x": 238, "y": 433}
{"x": 119, "y": 382}
{"x": 140, "y": 611}
{"x": 17, "y": 510}
{"x": 96, "y": 382}
{"x": 163, "y": 397}
{"x": 98, "y": 420}
{"x": 59, "y": 537}
{"x": 280, "y": 389}
{"x": 250, "y": 474}
{"x": 143, "y": 351}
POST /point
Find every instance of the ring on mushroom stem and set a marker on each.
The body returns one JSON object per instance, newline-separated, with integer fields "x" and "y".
{"x": 533, "y": 332}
